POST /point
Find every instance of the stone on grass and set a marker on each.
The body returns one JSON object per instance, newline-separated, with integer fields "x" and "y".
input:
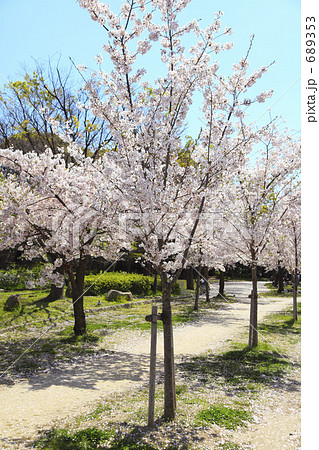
{"x": 113, "y": 294}
{"x": 12, "y": 303}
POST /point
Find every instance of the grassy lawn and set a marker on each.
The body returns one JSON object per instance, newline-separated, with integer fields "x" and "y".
{"x": 45, "y": 329}
{"x": 273, "y": 291}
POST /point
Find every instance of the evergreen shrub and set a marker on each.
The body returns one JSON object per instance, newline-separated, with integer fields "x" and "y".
{"x": 121, "y": 281}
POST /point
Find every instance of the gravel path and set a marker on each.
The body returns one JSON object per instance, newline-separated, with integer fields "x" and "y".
{"x": 35, "y": 403}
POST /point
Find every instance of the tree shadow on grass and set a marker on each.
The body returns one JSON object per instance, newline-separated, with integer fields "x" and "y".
{"x": 178, "y": 437}
{"x": 29, "y": 313}
{"x": 242, "y": 368}
{"x": 120, "y": 436}
{"x": 285, "y": 328}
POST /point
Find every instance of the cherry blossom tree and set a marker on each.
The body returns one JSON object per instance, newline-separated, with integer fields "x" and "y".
{"x": 166, "y": 195}
{"x": 208, "y": 251}
{"x": 252, "y": 203}
{"x": 285, "y": 241}
{"x": 51, "y": 207}
{"x": 27, "y": 108}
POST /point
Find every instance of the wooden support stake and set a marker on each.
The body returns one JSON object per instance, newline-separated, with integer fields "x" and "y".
{"x": 151, "y": 400}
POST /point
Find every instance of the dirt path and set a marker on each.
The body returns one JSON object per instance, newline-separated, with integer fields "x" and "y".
{"x": 36, "y": 402}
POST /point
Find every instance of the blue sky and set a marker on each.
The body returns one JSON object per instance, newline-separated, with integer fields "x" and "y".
{"x": 39, "y": 29}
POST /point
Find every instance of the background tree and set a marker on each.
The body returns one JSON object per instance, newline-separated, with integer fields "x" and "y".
{"x": 66, "y": 210}
{"x": 285, "y": 241}
{"x": 47, "y": 92}
{"x": 251, "y": 205}
{"x": 27, "y": 109}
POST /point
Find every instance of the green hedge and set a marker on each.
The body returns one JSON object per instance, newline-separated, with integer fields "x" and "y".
{"x": 122, "y": 281}
{"x": 101, "y": 284}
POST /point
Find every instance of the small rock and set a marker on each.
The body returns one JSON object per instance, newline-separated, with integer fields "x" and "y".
{"x": 113, "y": 294}
{"x": 13, "y": 302}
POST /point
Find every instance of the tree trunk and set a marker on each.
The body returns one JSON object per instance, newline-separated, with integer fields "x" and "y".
{"x": 169, "y": 368}
{"x": 274, "y": 278}
{"x": 198, "y": 274}
{"x": 253, "y": 325}
{"x": 190, "y": 279}
{"x": 205, "y": 275}
{"x": 280, "y": 280}
{"x": 295, "y": 288}
{"x": 55, "y": 293}
{"x": 154, "y": 285}
{"x": 77, "y": 285}
{"x": 221, "y": 290}
{"x": 295, "y": 281}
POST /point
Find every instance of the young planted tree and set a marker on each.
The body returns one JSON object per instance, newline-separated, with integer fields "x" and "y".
{"x": 252, "y": 203}
{"x": 166, "y": 195}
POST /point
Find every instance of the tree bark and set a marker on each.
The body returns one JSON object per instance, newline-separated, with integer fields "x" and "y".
{"x": 205, "y": 275}
{"x": 198, "y": 274}
{"x": 280, "y": 280}
{"x": 274, "y": 278}
{"x": 253, "y": 325}
{"x": 221, "y": 290}
{"x": 154, "y": 285}
{"x": 77, "y": 285}
{"x": 169, "y": 368}
{"x": 295, "y": 287}
{"x": 190, "y": 279}
{"x": 55, "y": 293}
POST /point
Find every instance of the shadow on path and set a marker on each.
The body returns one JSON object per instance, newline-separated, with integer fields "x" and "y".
{"x": 86, "y": 372}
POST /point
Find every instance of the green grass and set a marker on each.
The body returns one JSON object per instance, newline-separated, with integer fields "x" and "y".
{"x": 62, "y": 344}
{"x": 283, "y": 323}
{"x": 91, "y": 439}
{"x": 230, "y": 446}
{"x": 225, "y": 299}
{"x": 224, "y": 416}
{"x": 88, "y": 439}
{"x": 33, "y": 311}
{"x": 22, "y": 328}
{"x": 98, "y": 411}
{"x": 248, "y": 369}
{"x": 242, "y": 368}
{"x": 273, "y": 291}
